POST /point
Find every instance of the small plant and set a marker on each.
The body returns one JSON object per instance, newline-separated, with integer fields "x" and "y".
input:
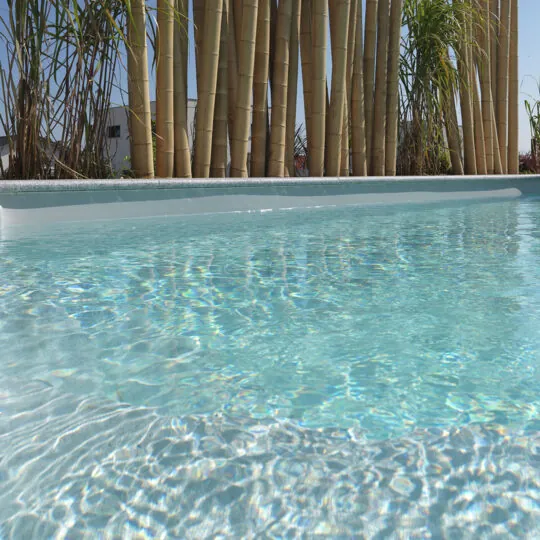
{"x": 300, "y": 152}
{"x": 528, "y": 163}
{"x": 429, "y": 78}
{"x": 532, "y": 107}
{"x": 60, "y": 67}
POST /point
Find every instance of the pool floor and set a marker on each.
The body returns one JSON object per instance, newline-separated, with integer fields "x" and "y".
{"x": 83, "y": 467}
{"x": 342, "y": 373}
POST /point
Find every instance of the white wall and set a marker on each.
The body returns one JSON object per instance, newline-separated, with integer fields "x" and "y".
{"x": 119, "y": 150}
{"x": 4, "y": 156}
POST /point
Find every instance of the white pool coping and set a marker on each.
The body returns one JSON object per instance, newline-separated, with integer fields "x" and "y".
{"x": 41, "y": 202}
{"x": 11, "y": 186}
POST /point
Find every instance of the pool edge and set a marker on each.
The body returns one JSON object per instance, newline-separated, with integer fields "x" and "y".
{"x": 41, "y": 202}
{"x": 47, "y": 186}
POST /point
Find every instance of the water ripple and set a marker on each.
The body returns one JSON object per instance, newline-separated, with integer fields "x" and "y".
{"x": 334, "y": 373}
{"x": 90, "y": 465}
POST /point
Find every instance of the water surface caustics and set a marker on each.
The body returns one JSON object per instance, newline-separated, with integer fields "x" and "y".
{"x": 403, "y": 341}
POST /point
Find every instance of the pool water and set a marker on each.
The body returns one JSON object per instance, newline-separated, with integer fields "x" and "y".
{"x": 339, "y": 372}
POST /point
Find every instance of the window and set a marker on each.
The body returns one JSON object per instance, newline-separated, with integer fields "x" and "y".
{"x": 114, "y": 132}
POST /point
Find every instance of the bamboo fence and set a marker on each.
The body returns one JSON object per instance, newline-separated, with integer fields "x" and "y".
{"x": 257, "y": 61}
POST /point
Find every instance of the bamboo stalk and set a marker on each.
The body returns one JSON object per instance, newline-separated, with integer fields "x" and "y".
{"x": 369, "y": 73}
{"x": 452, "y": 132}
{"x": 465, "y": 98}
{"x": 198, "y": 30}
{"x": 479, "y": 142}
{"x": 332, "y": 10}
{"x": 182, "y": 23}
{"x": 345, "y": 154}
{"x": 130, "y": 64}
{"x": 392, "y": 103}
{"x": 260, "y": 91}
{"x": 491, "y": 49}
{"x": 240, "y": 142}
{"x": 182, "y": 154}
{"x": 483, "y": 61}
{"x": 207, "y": 98}
{"x": 292, "y": 90}
{"x": 238, "y": 16}
{"x": 232, "y": 69}
{"x": 306, "y": 49}
{"x": 345, "y": 159}
{"x": 218, "y": 166}
{"x": 494, "y": 46}
{"x": 502, "y": 83}
{"x": 21, "y": 146}
{"x": 351, "y": 45}
{"x": 142, "y": 158}
{"x": 513, "y": 93}
{"x": 165, "y": 90}
{"x": 273, "y": 37}
{"x": 346, "y": 127}
{"x": 318, "y": 111}
{"x": 359, "y": 162}
{"x": 273, "y": 25}
{"x": 497, "y": 163}
{"x": 379, "y": 105}
{"x": 276, "y": 162}
{"x": 339, "y": 17}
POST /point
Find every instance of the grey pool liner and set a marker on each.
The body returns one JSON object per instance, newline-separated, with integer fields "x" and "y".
{"x": 38, "y": 202}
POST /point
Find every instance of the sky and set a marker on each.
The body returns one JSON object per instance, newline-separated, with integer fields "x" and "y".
{"x": 529, "y": 65}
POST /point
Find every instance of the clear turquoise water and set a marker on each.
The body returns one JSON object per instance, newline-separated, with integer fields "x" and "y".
{"x": 337, "y": 372}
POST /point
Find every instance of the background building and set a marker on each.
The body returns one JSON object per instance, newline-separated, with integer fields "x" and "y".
{"x": 118, "y": 134}
{"x": 4, "y": 152}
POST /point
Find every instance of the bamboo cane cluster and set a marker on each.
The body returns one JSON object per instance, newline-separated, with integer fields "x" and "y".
{"x": 489, "y": 113}
{"x": 248, "y": 57}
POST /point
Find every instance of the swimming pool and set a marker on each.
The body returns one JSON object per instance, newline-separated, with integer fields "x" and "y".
{"x": 337, "y": 372}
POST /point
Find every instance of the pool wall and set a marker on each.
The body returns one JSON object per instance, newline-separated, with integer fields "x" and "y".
{"x": 38, "y": 202}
